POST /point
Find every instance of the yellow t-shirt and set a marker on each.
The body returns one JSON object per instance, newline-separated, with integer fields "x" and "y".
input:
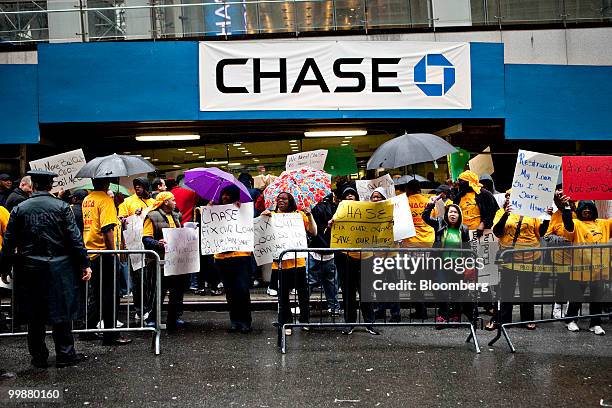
{"x": 470, "y": 210}
{"x": 425, "y": 234}
{"x": 299, "y": 262}
{"x": 98, "y": 212}
{"x": 4, "y": 218}
{"x": 147, "y": 228}
{"x": 232, "y": 254}
{"x": 590, "y": 233}
{"x": 134, "y": 203}
{"x": 563, "y": 256}
{"x": 529, "y": 236}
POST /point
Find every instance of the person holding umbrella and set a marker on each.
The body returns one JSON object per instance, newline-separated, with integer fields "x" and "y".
{"x": 44, "y": 248}
{"x": 235, "y": 270}
{"x": 294, "y": 270}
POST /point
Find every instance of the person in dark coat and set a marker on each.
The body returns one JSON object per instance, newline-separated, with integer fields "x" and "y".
{"x": 20, "y": 194}
{"x": 6, "y": 187}
{"x": 44, "y": 247}
{"x": 76, "y": 202}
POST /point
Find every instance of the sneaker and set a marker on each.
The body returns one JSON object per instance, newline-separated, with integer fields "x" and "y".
{"x": 288, "y": 332}
{"x": 573, "y": 327}
{"x": 442, "y": 322}
{"x": 597, "y": 330}
{"x": 557, "y": 311}
{"x": 348, "y": 331}
{"x": 78, "y": 357}
{"x": 293, "y": 291}
{"x": 272, "y": 292}
{"x": 295, "y": 310}
{"x": 334, "y": 312}
{"x": 372, "y": 331}
{"x": 145, "y": 316}
{"x": 180, "y": 323}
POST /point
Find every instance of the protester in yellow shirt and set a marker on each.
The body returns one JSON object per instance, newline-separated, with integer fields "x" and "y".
{"x": 162, "y": 215}
{"x": 294, "y": 271}
{"x": 4, "y": 217}
{"x": 517, "y": 231}
{"x": 137, "y": 202}
{"x": 349, "y": 272}
{"x": 477, "y": 204}
{"x": 235, "y": 268}
{"x": 99, "y": 220}
{"x": 424, "y": 233}
{"x": 587, "y": 229}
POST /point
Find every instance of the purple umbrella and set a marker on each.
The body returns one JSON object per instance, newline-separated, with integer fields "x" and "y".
{"x": 209, "y": 182}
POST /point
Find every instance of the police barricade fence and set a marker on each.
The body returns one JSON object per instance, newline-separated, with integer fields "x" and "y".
{"x": 145, "y": 264}
{"x": 553, "y": 275}
{"x": 372, "y": 280}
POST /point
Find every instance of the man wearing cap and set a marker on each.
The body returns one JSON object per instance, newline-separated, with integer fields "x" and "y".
{"x": 99, "y": 220}
{"x": 162, "y": 215}
{"x": 6, "y": 185}
{"x": 45, "y": 249}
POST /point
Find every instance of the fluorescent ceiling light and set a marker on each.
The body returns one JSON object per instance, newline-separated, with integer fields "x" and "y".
{"x": 212, "y": 163}
{"x": 166, "y": 138}
{"x": 248, "y": 153}
{"x": 293, "y": 141}
{"x": 237, "y": 144}
{"x": 180, "y": 149}
{"x": 189, "y": 152}
{"x": 343, "y": 144}
{"x": 234, "y": 164}
{"x": 127, "y": 152}
{"x": 335, "y": 133}
{"x": 154, "y": 159}
{"x": 348, "y": 137}
{"x": 201, "y": 157}
{"x": 241, "y": 148}
{"x": 147, "y": 157}
{"x": 255, "y": 160}
{"x": 176, "y": 166}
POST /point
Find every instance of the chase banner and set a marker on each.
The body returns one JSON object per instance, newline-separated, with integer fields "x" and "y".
{"x": 334, "y": 75}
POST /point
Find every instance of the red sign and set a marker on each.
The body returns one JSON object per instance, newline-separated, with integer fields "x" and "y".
{"x": 587, "y": 177}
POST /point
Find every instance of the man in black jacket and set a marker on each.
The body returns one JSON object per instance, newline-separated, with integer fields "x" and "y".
{"x": 45, "y": 249}
{"x": 6, "y": 185}
{"x": 20, "y": 194}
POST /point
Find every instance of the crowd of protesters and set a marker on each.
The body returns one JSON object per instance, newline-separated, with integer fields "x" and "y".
{"x": 95, "y": 220}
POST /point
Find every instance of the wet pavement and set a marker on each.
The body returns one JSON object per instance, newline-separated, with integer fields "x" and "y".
{"x": 202, "y": 365}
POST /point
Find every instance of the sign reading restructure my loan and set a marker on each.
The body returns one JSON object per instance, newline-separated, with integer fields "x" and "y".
{"x": 330, "y": 75}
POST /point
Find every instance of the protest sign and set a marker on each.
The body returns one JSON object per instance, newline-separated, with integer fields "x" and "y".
{"x": 486, "y": 248}
{"x": 366, "y": 187}
{"x": 482, "y": 163}
{"x": 227, "y": 228}
{"x": 360, "y": 224}
{"x": 275, "y": 233}
{"x": 314, "y": 159}
{"x": 587, "y": 177}
{"x": 66, "y": 166}
{"x": 133, "y": 239}
{"x": 403, "y": 226}
{"x": 533, "y": 186}
{"x": 182, "y": 254}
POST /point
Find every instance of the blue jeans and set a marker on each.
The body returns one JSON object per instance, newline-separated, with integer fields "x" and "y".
{"x": 324, "y": 273}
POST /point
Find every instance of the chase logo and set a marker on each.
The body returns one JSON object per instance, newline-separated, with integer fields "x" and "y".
{"x": 420, "y": 75}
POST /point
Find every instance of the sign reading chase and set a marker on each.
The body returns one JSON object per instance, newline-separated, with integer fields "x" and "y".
{"x": 334, "y": 75}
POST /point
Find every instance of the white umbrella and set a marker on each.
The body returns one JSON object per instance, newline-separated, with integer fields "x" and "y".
{"x": 409, "y": 149}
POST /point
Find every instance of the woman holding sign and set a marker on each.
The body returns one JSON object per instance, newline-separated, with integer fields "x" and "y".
{"x": 516, "y": 231}
{"x": 294, "y": 270}
{"x": 235, "y": 268}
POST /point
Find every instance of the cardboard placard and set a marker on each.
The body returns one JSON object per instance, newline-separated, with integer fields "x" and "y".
{"x": 66, "y": 165}
{"x": 587, "y": 177}
{"x": 133, "y": 239}
{"x": 227, "y": 228}
{"x": 403, "y": 226}
{"x": 533, "y": 186}
{"x": 315, "y": 159}
{"x": 275, "y": 233}
{"x": 182, "y": 254}
{"x": 360, "y": 224}
{"x": 366, "y": 187}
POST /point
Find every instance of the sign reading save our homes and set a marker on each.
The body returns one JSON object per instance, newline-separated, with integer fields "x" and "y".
{"x": 587, "y": 177}
{"x": 227, "y": 228}
{"x": 363, "y": 225}
{"x": 533, "y": 186}
{"x": 66, "y": 165}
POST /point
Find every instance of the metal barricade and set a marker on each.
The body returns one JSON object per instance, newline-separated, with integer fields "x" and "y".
{"x": 150, "y": 262}
{"x": 558, "y": 274}
{"x": 293, "y": 278}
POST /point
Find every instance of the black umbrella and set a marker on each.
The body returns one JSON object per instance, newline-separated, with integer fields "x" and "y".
{"x": 409, "y": 149}
{"x": 115, "y": 165}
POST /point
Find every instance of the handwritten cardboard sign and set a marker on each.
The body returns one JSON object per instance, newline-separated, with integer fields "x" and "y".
{"x": 227, "y": 228}
{"x": 276, "y": 233}
{"x": 365, "y": 188}
{"x": 315, "y": 159}
{"x": 587, "y": 177}
{"x": 133, "y": 239}
{"x": 182, "y": 254}
{"x": 482, "y": 163}
{"x": 403, "y": 226}
{"x": 359, "y": 224}
{"x": 486, "y": 248}
{"x": 66, "y": 165}
{"x": 533, "y": 186}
